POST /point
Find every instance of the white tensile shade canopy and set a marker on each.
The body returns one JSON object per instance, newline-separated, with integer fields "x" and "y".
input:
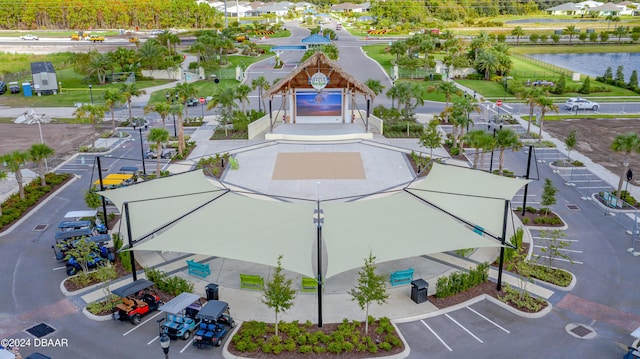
{"x": 399, "y": 225}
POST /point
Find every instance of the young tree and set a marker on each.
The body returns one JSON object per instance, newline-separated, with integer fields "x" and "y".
{"x": 593, "y": 37}
{"x": 14, "y": 161}
{"x": 534, "y": 37}
{"x": 620, "y": 76}
{"x": 517, "y": 32}
{"x": 371, "y": 288}
{"x": 242, "y": 95}
{"x": 83, "y": 252}
{"x": 604, "y": 37}
{"x": 278, "y": 294}
{"x": 431, "y": 137}
{"x": 39, "y": 152}
{"x": 224, "y": 99}
{"x": 560, "y": 86}
{"x": 93, "y": 113}
{"x": 92, "y": 199}
{"x": 627, "y": 143}
{"x": 571, "y": 31}
{"x": 553, "y": 247}
{"x": 158, "y": 136}
{"x": 548, "y": 196}
{"x": 570, "y": 142}
{"x": 161, "y": 108}
{"x": 633, "y": 80}
{"x": 555, "y": 38}
{"x": 586, "y": 86}
{"x": 376, "y": 86}
{"x": 620, "y": 31}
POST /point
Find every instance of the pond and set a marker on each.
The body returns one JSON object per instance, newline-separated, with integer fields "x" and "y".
{"x": 594, "y": 64}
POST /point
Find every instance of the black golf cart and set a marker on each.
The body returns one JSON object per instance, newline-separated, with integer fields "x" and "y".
{"x": 216, "y": 324}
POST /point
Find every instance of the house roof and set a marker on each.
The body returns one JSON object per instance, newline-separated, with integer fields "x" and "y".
{"x": 319, "y": 62}
{"x": 315, "y": 39}
{"x": 606, "y": 7}
{"x": 565, "y": 7}
{"x": 38, "y": 67}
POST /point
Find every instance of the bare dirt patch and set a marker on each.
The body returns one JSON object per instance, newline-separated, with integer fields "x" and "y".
{"x": 594, "y": 138}
{"x": 65, "y": 139}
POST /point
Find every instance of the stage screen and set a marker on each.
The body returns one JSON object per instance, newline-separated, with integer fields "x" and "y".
{"x": 319, "y": 104}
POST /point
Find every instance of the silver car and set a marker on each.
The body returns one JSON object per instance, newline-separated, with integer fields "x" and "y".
{"x": 575, "y": 104}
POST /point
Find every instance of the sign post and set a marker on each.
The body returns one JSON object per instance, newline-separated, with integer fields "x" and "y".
{"x": 499, "y": 104}
{"x": 202, "y": 101}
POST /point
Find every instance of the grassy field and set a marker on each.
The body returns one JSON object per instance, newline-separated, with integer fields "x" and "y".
{"x": 565, "y": 117}
{"x": 575, "y": 49}
{"x": 377, "y": 53}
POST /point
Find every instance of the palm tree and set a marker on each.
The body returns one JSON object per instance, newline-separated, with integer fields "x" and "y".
{"x": 129, "y": 90}
{"x": 546, "y": 104}
{"x": 627, "y": 143}
{"x": 158, "y": 136}
{"x": 480, "y": 42}
{"x": 376, "y": 86}
{"x": 620, "y": 31}
{"x": 185, "y": 91}
{"x": 93, "y": 113}
{"x": 466, "y": 105}
{"x": 398, "y": 48}
{"x": 530, "y": 96}
{"x": 99, "y": 65}
{"x": 488, "y": 63}
{"x": 39, "y": 152}
{"x": 150, "y": 52}
{"x": 112, "y": 99}
{"x": 409, "y": 96}
{"x": 161, "y": 108}
{"x": 487, "y": 143}
{"x": 517, "y": 32}
{"x": 474, "y": 139}
{"x": 505, "y": 138}
{"x": 393, "y": 94}
{"x": 610, "y": 18}
{"x": 224, "y": 98}
{"x": 448, "y": 88}
{"x": 261, "y": 84}
{"x": 177, "y": 110}
{"x": 242, "y": 94}
{"x": 14, "y": 161}
{"x": 571, "y": 31}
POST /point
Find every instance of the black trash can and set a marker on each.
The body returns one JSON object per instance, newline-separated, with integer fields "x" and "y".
{"x": 212, "y": 291}
{"x": 419, "y": 290}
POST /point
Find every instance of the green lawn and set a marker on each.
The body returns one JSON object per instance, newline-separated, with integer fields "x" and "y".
{"x": 377, "y": 52}
{"x": 575, "y": 49}
{"x": 564, "y": 117}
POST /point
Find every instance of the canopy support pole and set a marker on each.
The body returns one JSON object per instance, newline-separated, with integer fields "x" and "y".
{"x": 366, "y": 122}
{"x": 504, "y": 235}
{"x": 104, "y": 202}
{"x": 134, "y": 275}
{"x": 526, "y": 187}
{"x": 319, "y": 259}
{"x": 270, "y": 114}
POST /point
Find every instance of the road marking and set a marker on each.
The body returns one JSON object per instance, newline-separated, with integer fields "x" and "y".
{"x": 562, "y": 259}
{"x": 58, "y": 268}
{"x": 560, "y": 239}
{"x": 489, "y": 320}
{"x": 141, "y": 324}
{"x": 561, "y": 249}
{"x": 436, "y": 335}
{"x": 153, "y": 340}
{"x": 463, "y": 328}
{"x": 188, "y": 344}
{"x": 594, "y": 187}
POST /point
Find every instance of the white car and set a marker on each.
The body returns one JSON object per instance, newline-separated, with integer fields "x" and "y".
{"x": 575, "y": 104}
{"x": 29, "y": 37}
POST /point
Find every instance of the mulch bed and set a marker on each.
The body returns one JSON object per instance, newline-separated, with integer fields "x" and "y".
{"x": 327, "y": 329}
{"x": 533, "y": 216}
{"x": 71, "y": 286}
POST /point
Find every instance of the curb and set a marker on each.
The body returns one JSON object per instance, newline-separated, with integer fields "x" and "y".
{"x": 97, "y": 318}
{"x": 38, "y": 207}
{"x": 568, "y": 288}
{"x": 67, "y": 293}
{"x": 225, "y": 348}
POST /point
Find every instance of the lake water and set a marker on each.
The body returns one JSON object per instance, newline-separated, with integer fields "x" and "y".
{"x": 594, "y": 64}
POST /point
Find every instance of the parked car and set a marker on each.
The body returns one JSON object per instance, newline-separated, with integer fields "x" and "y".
{"x": 193, "y": 102}
{"x": 14, "y": 87}
{"x": 96, "y": 38}
{"x": 166, "y": 153}
{"x": 575, "y": 104}
{"x": 137, "y": 301}
{"x": 181, "y": 318}
{"x": 66, "y": 240}
{"x": 3, "y": 87}
{"x": 216, "y": 324}
{"x": 29, "y": 37}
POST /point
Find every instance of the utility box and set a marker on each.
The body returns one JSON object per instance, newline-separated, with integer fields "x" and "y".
{"x": 212, "y": 291}
{"x": 419, "y": 289}
{"x": 575, "y": 76}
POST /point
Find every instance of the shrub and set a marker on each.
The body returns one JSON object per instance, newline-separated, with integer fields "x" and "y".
{"x": 170, "y": 285}
{"x": 547, "y": 220}
{"x": 460, "y": 281}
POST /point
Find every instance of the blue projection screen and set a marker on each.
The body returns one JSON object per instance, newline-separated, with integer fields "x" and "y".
{"x": 319, "y": 104}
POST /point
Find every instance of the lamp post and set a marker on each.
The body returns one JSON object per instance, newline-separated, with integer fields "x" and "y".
{"x": 91, "y": 93}
{"x": 494, "y": 138}
{"x": 144, "y": 169}
{"x": 165, "y": 343}
{"x": 504, "y": 80}
{"x": 175, "y": 129}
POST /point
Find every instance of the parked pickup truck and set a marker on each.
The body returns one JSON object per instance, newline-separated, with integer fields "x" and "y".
{"x": 29, "y": 37}
{"x": 96, "y": 38}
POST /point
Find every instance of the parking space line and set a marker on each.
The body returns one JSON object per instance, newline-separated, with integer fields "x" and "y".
{"x": 141, "y": 324}
{"x": 153, "y": 340}
{"x": 489, "y": 320}
{"x": 463, "y": 328}
{"x": 436, "y": 335}
{"x": 188, "y": 344}
{"x": 560, "y": 239}
{"x": 562, "y": 259}
{"x": 58, "y": 268}
{"x": 561, "y": 249}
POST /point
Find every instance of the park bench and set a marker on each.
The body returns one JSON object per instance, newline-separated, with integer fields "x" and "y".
{"x": 198, "y": 269}
{"x": 401, "y": 277}
{"x": 309, "y": 284}
{"x": 248, "y": 281}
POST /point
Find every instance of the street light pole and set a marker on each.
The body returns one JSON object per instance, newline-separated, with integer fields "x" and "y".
{"x": 165, "y": 343}
{"x": 144, "y": 169}
{"x": 175, "y": 129}
{"x": 91, "y": 93}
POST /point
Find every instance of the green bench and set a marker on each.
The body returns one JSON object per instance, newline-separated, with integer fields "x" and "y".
{"x": 198, "y": 269}
{"x": 309, "y": 284}
{"x": 401, "y": 277}
{"x": 254, "y": 282}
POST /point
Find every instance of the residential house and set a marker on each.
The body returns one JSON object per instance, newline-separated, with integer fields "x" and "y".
{"x": 564, "y": 9}
{"x": 606, "y": 9}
